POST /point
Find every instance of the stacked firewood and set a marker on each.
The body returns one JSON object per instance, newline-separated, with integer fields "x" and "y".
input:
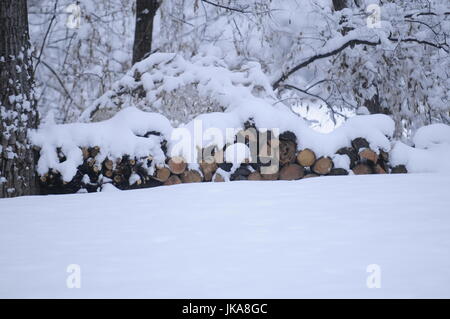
{"x": 278, "y": 158}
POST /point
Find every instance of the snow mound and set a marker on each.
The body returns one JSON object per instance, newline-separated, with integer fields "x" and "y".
{"x": 130, "y": 132}
{"x": 431, "y": 154}
{"x": 124, "y": 134}
{"x": 431, "y": 135}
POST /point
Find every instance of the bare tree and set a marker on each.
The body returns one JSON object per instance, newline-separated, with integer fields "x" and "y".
{"x": 145, "y": 13}
{"x": 18, "y": 111}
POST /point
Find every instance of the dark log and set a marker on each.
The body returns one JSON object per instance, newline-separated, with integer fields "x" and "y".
{"x": 338, "y": 171}
{"x": 351, "y": 153}
{"x": 399, "y": 169}
{"x": 241, "y": 173}
{"x": 362, "y": 169}
{"x": 288, "y": 149}
{"x": 322, "y": 166}
{"x": 306, "y": 157}
{"x": 310, "y": 175}
{"x": 288, "y": 136}
{"x": 384, "y": 156}
{"x": 377, "y": 169}
{"x": 291, "y": 172}
{"x": 225, "y": 166}
{"x": 235, "y": 177}
{"x": 93, "y": 151}
{"x": 118, "y": 179}
{"x": 359, "y": 143}
{"x": 243, "y": 170}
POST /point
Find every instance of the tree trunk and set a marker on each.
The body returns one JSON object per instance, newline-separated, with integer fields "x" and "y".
{"x": 145, "y": 13}
{"x": 338, "y": 5}
{"x": 18, "y": 111}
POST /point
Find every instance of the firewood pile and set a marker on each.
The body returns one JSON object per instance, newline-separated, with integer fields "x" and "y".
{"x": 278, "y": 158}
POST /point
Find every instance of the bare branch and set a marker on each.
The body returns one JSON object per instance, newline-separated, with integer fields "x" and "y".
{"x": 240, "y": 10}
{"x": 46, "y": 35}
{"x": 319, "y": 56}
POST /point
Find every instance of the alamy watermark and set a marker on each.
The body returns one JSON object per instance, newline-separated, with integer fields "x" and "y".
{"x": 74, "y": 18}
{"x": 374, "y": 18}
{"x": 374, "y": 278}
{"x": 74, "y": 278}
{"x": 218, "y": 145}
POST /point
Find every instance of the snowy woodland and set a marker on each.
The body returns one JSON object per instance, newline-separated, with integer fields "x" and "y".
{"x": 307, "y": 108}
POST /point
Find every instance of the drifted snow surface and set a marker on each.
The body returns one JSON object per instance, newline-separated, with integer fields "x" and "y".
{"x": 307, "y": 238}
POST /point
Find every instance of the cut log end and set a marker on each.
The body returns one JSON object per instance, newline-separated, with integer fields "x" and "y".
{"x": 322, "y": 166}
{"x": 306, "y": 157}
{"x": 177, "y": 165}
{"x": 367, "y": 155}
{"x": 162, "y": 174}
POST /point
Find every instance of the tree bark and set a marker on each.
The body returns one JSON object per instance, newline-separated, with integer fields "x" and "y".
{"x": 18, "y": 112}
{"x": 338, "y": 5}
{"x": 145, "y": 13}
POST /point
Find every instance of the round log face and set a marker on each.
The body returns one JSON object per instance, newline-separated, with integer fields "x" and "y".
{"x": 368, "y": 155}
{"x": 177, "y": 165}
{"x": 306, "y": 157}
{"x": 291, "y": 172}
{"x": 162, "y": 174}
{"x": 322, "y": 166}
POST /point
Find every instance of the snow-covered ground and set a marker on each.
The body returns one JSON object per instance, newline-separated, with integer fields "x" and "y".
{"x": 307, "y": 238}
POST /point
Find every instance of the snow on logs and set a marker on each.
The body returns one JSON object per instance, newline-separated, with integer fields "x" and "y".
{"x": 277, "y": 159}
{"x": 135, "y": 149}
